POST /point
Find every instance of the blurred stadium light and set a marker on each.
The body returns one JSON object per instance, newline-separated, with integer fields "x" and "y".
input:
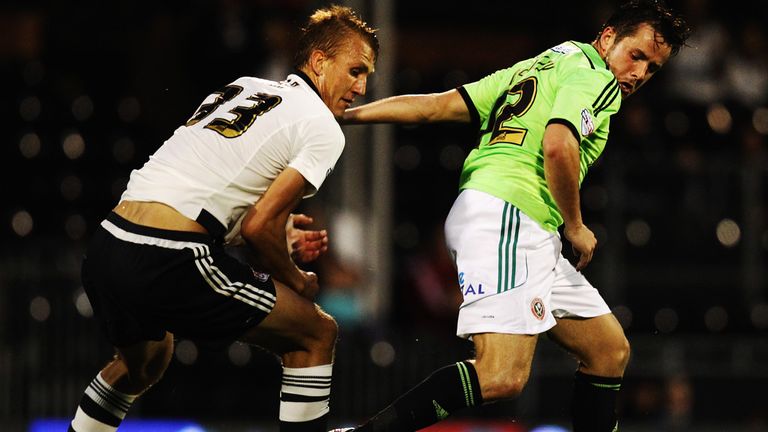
{"x": 61, "y": 425}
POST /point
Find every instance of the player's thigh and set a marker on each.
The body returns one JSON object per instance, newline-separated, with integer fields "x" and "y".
{"x": 293, "y": 323}
{"x": 598, "y": 342}
{"x": 503, "y": 362}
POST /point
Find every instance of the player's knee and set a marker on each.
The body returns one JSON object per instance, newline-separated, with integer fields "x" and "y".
{"x": 611, "y": 358}
{"x": 325, "y": 330}
{"x": 621, "y": 353}
{"x": 156, "y": 368}
{"x": 503, "y": 385}
{"x": 329, "y": 329}
{"x": 149, "y": 372}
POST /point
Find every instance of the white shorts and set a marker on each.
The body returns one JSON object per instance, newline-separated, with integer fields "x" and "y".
{"x": 511, "y": 273}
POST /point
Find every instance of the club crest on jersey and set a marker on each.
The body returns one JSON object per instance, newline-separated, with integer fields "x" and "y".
{"x": 537, "y": 307}
{"x": 587, "y": 123}
{"x": 262, "y": 277}
{"x": 469, "y": 289}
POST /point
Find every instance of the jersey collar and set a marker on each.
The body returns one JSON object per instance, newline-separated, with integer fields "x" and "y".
{"x": 592, "y": 54}
{"x": 306, "y": 79}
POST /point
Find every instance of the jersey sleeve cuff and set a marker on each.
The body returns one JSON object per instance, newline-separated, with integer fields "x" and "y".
{"x": 474, "y": 117}
{"x": 570, "y": 126}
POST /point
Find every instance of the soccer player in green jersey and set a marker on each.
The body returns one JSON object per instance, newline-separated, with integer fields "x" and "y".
{"x": 542, "y": 123}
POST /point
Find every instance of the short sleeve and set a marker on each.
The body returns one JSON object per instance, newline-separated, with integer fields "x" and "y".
{"x": 319, "y": 143}
{"x": 483, "y": 93}
{"x": 585, "y": 98}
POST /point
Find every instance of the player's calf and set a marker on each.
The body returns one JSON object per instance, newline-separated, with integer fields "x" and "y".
{"x": 306, "y": 386}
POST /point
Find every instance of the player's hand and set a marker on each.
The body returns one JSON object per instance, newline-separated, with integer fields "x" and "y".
{"x": 304, "y": 245}
{"x": 583, "y": 242}
{"x": 311, "y": 287}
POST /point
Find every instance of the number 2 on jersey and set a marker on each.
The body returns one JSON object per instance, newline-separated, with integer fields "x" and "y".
{"x": 514, "y": 135}
{"x": 244, "y": 115}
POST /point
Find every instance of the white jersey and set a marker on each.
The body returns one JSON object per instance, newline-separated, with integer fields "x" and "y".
{"x": 239, "y": 140}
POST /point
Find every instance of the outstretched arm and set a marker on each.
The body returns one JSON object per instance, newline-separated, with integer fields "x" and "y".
{"x": 561, "y": 169}
{"x": 448, "y": 106}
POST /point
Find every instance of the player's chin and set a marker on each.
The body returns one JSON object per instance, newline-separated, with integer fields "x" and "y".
{"x": 338, "y": 112}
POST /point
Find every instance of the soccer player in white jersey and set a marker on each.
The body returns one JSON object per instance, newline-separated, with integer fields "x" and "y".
{"x": 156, "y": 267}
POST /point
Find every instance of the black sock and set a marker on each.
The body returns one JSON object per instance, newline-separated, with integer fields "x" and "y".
{"x": 444, "y": 392}
{"x": 594, "y": 403}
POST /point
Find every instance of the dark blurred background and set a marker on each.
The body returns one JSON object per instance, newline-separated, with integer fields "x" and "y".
{"x": 677, "y": 201}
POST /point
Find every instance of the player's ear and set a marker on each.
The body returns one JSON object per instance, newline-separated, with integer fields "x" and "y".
{"x": 317, "y": 59}
{"x": 606, "y": 39}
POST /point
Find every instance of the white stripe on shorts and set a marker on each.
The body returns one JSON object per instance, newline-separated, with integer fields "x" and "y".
{"x": 220, "y": 283}
{"x": 147, "y": 240}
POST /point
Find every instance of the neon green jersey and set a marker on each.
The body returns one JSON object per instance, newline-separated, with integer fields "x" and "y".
{"x": 569, "y": 84}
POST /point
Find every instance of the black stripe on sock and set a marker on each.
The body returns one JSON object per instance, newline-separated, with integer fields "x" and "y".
{"x": 308, "y": 381}
{"x": 293, "y": 397}
{"x": 110, "y": 397}
{"x": 96, "y": 411}
{"x": 322, "y": 377}
{"x": 307, "y": 386}
{"x": 315, "y": 382}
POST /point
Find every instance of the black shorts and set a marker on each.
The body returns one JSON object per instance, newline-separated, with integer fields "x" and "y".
{"x": 143, "y": 281}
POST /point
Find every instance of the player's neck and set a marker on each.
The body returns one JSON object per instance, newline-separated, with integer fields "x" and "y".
{"x": 596, "y": 44}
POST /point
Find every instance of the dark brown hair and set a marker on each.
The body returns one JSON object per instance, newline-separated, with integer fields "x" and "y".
{"x": 667, "y": 23}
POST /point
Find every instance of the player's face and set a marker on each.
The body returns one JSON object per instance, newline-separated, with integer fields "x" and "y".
{"x": 345, "y": 76}
{"x": 635, "y": 58}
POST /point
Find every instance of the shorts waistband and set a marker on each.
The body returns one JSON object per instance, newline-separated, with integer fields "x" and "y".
{"x": 145, "y": 231}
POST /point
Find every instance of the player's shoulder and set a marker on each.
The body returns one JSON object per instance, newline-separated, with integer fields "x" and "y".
{"x": 297, "y": 96}
{"x": 567, "y": 48}
{"x": 265, "y": 85}
{"x": 582, "y": 58}
{"x": 578, "y": 55}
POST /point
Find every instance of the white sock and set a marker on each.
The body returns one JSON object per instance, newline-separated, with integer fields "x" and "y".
{"x": 102, "y": 408}
{"x": 305, "y": 393}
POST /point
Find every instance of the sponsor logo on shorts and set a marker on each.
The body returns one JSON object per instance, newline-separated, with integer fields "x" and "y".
{"x": 262, "y": 277}
{"x": 537, "y": 307}
{"x": 469, "y": 289}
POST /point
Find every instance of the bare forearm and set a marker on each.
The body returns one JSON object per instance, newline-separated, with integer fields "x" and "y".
{"x": 421, "y": 108}
{"x": 396, "y": 109}
{"x": 562, "y": 174}
{"x": 561, "y": 170}
{"x": 271, "y": 255}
